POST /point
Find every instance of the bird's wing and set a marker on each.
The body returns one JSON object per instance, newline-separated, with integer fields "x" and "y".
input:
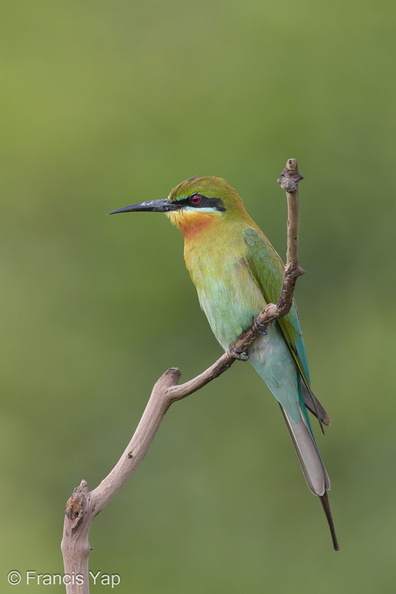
{"x": 267, "y": 270}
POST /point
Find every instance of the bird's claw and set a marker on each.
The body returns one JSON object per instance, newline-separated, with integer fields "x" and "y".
{"x": 239, "y": 354}
{"x": 260, "y": 328}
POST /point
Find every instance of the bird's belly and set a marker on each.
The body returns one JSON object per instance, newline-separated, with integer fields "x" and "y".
{"x": 230, "y": 307}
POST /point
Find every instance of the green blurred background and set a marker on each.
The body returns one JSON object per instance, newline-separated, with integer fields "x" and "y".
{"x": 109, "y": 103}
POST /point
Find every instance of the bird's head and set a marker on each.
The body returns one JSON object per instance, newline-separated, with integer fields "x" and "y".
{"x": 195, "y": 204}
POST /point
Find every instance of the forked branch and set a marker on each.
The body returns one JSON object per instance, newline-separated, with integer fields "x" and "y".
{"x": 83, "y": 506}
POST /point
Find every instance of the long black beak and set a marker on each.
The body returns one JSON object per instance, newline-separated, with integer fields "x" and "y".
{"x": 151, "y": 206}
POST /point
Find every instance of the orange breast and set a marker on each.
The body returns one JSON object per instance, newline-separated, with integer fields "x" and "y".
{"x": 192, "y": 223}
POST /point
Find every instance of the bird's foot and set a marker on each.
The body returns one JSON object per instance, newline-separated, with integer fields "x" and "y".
{"x": 259, "y": 327}
{"x": 239, "y": 354}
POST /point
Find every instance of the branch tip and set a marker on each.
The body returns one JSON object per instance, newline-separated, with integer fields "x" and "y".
{"x": 290, "y": 176}
{"x": 169, "y": 378}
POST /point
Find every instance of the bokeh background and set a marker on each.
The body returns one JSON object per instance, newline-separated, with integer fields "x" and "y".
{"x": 109, "y": 103}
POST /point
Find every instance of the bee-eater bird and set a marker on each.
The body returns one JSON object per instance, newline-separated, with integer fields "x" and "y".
{"x": 236, "y": 272}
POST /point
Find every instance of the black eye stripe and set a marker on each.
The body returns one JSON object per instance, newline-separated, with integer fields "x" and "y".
{"x": 200, "y": 201}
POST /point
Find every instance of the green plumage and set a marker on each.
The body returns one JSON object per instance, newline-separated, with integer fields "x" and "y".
{"x": 267, "y": 269}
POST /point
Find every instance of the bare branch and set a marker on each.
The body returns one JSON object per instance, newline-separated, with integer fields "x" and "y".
{"x": 83, "y": 506}
{"x": 289, "y": 179}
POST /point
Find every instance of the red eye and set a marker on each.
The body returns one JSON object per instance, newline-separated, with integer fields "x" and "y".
{"x": 195, "y": 198}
